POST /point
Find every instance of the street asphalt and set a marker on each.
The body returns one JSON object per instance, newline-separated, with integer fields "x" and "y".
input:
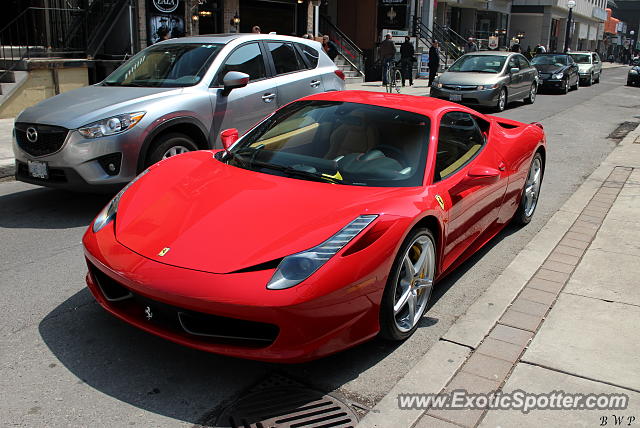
{"x": 65, "y": 362}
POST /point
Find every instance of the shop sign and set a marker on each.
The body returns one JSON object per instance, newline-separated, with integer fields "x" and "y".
{"x": 166, "y": 6}
{"x": 164, "y": 17}
{"x": 493, "y": 42}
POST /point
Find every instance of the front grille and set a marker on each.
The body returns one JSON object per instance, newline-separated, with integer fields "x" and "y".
{"x": 460, "y": 87}
{"x": 195, "y": 325}
{"x": 48, "y": 139}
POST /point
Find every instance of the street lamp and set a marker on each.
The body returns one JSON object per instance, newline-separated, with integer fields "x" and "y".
{"x": 567, "y": 37}
{"x": 235, "y": 21}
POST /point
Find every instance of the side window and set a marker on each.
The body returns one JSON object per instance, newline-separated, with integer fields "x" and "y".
{"x": 246, "y": 59}
{"x": 523, "y": 62}
{"x": 595, "y": 58}
{"x": 460, "y": 138}
{"x": 310, "y": 54}
{"x": 284, "y": 57}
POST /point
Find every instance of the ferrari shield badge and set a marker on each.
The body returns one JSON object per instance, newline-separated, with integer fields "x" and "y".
{"x": 440, "y": 201}
{"x": 164, "y": 251}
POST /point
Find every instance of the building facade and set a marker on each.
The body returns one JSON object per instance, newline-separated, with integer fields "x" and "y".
{"x": 545, "y": 22}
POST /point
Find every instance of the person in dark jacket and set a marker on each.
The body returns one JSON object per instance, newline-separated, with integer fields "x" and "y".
{"x": 329, "y": 47}
{"x": 434, "y": 61}
{"x": 406, "y": 60}
{"x": 387, "y": 55}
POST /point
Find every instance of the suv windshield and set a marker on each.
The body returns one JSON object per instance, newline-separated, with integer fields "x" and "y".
{"x": 558, "y": 60}
{"x": 338, "y": 142}
{"x": 581, "y": 58}
{"x": 166, "y": 65}
{"x": 479, "y": 64}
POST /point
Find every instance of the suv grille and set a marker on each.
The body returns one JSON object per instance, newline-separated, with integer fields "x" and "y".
{"x": 48, "y": 139}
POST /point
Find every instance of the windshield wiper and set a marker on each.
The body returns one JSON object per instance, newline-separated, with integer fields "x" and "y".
{"x": 290, "y": 171}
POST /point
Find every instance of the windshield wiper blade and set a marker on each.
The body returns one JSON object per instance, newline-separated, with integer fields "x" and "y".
{"x": 288, "y": 170}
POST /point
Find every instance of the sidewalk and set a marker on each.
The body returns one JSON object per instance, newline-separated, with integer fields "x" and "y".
{"x": 6, "y": 154}
{"x": 562, "y": 316}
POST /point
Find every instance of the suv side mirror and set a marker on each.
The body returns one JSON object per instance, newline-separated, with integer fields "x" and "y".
{"x": 233, "y": 80}
{"x": 228, "y": 137}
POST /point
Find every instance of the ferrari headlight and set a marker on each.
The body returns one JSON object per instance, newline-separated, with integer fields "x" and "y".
{"x": 557, "y": 76}
{"x": 295, "y": 268}
{"x": 108, "y": 213}
{"x": 112, "y": 125}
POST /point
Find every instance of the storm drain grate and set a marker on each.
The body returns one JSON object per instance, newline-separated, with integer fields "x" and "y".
{"x": 622, "y": 130}
{"x": 287, "y": 405}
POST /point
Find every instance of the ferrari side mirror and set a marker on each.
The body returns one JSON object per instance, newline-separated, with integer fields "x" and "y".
{"x": 228, "y": 137}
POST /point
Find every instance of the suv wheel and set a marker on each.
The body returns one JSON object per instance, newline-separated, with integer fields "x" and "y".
{"x": 168, "y": 145}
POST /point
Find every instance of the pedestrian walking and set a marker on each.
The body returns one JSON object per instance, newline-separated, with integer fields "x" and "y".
{"x": 406, "y": 60}
{"x": 470, "y": 46}
{"x": 434, "y": 61}
{"x": 329, "y": 47}
{"x": 387, "y": 55}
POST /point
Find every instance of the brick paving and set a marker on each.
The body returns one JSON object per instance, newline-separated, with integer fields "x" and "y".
{"x": 491, "y": 363}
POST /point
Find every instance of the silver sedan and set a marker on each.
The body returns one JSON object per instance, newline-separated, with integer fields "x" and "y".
{"x": 489, "y": 78}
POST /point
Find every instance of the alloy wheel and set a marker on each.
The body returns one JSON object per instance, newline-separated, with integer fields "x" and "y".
{"x": 502, "y": 101}
{"x": 175, "y": 150}
{"x": 414, "y": 283}
{"x": 532, "y": 93}
{"x": 532, "y": 187}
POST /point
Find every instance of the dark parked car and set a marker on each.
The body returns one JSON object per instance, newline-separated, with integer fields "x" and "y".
{"x": 633, "y": 78}
{"x": 557, "y": 71}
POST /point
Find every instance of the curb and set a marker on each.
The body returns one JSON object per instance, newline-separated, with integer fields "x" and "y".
{"x": 8, "y": 170}
{"x": 466, "y": 334}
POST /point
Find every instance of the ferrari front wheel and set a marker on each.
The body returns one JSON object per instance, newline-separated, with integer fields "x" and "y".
{"x": 531, "y": 192}
{"x": 409, "y": 286}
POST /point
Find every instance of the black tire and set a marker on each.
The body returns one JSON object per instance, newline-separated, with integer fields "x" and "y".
{"x": 598, "y": 78}
{"x": 577, "y": 85}
{"x": 521, "y": 217}
{"x": 388, "y": 328}
{"x": 591, "y": 80}
{"x": 532, "y": 94}
{"x": 565, "y": 90}
{"x": 165, "y": 142}
{"x": 500, "y": 105}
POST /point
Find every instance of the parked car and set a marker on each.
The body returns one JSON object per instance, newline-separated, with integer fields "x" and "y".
{"x": 488, "y": 79}
{"x": 557, "y": 71}
{"x": 633, "y": 77}
{"x": 589, "y": 67}
{"x": 172, "y": 97}
{"x": 325, "y": 225}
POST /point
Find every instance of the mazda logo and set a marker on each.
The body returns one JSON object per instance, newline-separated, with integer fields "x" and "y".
{"x": 32, "y": 134}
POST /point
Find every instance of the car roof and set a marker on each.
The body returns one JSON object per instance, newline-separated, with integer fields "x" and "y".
{"x": 228, "y": 37}
{"x": 427, "y": 106}
{"x": 553, "y": 53}
{"x": 495, "y": 53}
{"x": 580, "y": 52}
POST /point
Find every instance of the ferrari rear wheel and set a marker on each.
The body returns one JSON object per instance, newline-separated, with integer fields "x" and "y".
{"x": 531, "y": 192}
{"x": 409, "y": 286}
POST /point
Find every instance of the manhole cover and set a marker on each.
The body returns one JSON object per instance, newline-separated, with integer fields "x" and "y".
{"x": 622, "y": 130}
{"x": 287, "y": 407}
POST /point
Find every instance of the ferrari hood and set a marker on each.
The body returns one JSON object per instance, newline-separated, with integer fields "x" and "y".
{"x": 202, "y": 214}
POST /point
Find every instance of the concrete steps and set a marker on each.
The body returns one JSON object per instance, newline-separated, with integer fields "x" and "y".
{"x": 352, "y": 75}
{"x": 10, "y": 82}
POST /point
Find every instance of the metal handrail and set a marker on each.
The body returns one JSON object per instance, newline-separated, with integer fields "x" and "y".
{"x": 346, "y": 47}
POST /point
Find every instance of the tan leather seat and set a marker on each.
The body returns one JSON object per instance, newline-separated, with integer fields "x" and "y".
{"x": 354, "y": 135}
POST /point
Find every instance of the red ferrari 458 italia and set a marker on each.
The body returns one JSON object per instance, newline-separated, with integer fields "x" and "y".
{"x": 325, "y": 225}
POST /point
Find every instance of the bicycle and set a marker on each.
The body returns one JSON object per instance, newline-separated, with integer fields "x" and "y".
{"x": 394, "y": 78}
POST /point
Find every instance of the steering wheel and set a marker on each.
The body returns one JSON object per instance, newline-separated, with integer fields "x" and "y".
{"x": 393, "y": 152}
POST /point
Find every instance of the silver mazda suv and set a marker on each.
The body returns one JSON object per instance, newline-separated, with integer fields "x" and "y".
{"x": 172, "y": 97}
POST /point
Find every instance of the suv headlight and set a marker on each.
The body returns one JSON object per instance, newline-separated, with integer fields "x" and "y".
{"x": 558, "y": 76}
{"x": 632, "y": 71}
{"x": 112, "y": 125}
{"x": 295, "y": 268}
{"x": 108, "y": 213}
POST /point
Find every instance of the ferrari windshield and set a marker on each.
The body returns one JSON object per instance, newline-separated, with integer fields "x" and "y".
{"x": 338, "y": 142}
{"x": 169, "y": 65}
{"x": 559, "y": 60}
{"x": 581, "y": 58}
{"x": 479, "y": 64}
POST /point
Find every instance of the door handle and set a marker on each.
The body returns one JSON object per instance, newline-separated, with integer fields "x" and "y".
{"x": 267, "y": 98}
{"x": 314, "y": 83}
